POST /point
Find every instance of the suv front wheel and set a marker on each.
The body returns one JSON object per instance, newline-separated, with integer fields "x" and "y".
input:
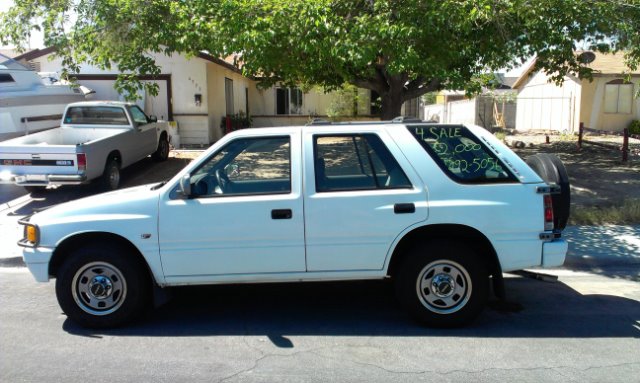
{"x": 443, "y": 284}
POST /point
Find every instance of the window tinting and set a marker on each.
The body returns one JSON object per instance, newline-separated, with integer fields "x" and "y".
{"x": 356, "y": 162}
{"x": 461, "y": 154}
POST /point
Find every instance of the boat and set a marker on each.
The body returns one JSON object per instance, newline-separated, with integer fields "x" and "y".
{"x": 27, "y": 103}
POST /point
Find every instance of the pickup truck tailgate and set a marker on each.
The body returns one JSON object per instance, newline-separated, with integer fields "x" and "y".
{"x": 33, "y": 167}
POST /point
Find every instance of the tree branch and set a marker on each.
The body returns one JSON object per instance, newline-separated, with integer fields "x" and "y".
{"x": 415, "y": 89}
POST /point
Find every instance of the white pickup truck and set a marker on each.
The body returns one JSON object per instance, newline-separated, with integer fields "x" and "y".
{"x": 95, "y": 140}
{"x": 442, "y": 210}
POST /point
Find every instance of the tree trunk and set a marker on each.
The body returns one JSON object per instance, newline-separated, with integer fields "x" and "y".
{"x": 392, "y": 102}
{"x": 391, "y": 107}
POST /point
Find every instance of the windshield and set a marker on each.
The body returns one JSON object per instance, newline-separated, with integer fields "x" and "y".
{"x": 9, "y": 63}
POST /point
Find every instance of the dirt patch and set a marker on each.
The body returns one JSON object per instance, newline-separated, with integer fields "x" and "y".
{"x": 598, "y": 176}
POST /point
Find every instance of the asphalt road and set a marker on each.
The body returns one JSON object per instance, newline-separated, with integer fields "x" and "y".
{"x": 585, "y": 328}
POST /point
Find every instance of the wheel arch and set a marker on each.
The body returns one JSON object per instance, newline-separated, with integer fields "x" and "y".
{"x": 114, "y": 155}
{"x": 75, "y": 241}
{"x": 453, "y": 232}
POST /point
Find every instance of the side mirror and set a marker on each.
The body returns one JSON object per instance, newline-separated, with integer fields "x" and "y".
{"x": 185, "y": 186}
{"x": 153, "y": 118}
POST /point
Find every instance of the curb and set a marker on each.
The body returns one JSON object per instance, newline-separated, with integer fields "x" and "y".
{"x": 12, "y": 262}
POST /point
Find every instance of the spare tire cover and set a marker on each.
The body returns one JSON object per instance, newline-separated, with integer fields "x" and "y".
{"x": 551, "y": 169}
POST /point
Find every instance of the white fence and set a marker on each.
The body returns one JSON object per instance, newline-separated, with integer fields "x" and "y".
{"x": 545, "y": 113}
{"x": 479, "y": 111}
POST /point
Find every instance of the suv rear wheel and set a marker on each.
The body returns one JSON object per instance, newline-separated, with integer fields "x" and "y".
{"x": 443, "y": 284}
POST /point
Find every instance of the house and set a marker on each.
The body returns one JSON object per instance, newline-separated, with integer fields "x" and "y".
{"x": 197, "y": 92}
{"x": 606, "y": 103}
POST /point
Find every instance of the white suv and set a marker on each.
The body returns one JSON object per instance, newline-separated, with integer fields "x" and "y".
{"x": 441, "y": 209}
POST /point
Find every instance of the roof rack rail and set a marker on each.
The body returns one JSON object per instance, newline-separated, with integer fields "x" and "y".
{"x": 319, "y": 121}
{"x": 397, "y": 120}
{"x": 405, "y": 119}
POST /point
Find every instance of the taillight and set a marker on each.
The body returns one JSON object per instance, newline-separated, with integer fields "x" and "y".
{"x": 82, "y": 162}
{"x": 548, "y": 212}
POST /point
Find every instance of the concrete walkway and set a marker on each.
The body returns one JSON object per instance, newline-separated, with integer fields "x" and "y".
{"x": 611, "y": 250}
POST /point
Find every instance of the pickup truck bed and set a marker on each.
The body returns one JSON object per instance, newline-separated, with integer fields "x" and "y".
{"x": 82, "y": 148}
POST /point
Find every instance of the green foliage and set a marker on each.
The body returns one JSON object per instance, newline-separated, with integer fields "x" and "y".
{"x": 239, "y": 120}
{"x": 400, "y": 49}
{"x": 634, "y": 127}
{"x": 430, "y": 98}
{"x": 345, "y": 102}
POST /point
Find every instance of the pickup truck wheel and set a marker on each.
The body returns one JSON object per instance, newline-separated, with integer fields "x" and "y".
{"x": 102, "y": 287}
{"x": 35, "y": 189}
{"x": 162, "y": 153}
{"x": 111, "y": 175}
{"x": 443, "y": 284}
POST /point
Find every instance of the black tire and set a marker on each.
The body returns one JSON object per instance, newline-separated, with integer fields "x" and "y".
{"x": 551, "y": 169}
{"x": 106, "y": 276}
{"x": 35, "y": 190}
{"x": 162, "y": 152}
{"x": 443, "y": 284}
{"x": 110, "y": 179}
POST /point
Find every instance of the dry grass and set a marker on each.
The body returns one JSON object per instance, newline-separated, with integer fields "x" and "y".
{"x": 626, "y": 214}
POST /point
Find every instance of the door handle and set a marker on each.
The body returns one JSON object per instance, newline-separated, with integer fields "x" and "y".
{"x": 404, "y": 208}
{"x": 281, "y": 214}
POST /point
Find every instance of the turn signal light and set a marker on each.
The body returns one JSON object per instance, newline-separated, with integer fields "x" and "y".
{"x": 31, "y": 233}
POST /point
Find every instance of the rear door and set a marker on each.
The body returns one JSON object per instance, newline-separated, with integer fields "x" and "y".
{"x": 361, "y": 193}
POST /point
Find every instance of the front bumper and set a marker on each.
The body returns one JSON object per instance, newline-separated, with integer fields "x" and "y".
{"x": 554, "y": 253}
{"x": 37, "y": 261}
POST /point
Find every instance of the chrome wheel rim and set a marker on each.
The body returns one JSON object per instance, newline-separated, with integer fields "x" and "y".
{"x": 99, "y": 288}
{"x": 444, "y": 286}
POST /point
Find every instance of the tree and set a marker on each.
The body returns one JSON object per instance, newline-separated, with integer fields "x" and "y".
{"x": 400, "y": 49}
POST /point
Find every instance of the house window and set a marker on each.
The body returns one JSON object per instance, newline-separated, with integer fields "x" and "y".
{"x": 288, "y": 101}
{"x": 618, "y": 97}
{"x": 228, "y": 95}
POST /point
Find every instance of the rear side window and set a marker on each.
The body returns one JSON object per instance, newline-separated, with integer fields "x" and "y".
{"x": 460, "y": 154}
{"x": 96, "y": 115}
{"x": 356, "y": 162}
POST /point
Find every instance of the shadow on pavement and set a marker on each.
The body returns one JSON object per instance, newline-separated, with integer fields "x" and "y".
{"x": 143, "y": 172}
{"x": 612, "y": 251}
{"x": 549, "y": 310}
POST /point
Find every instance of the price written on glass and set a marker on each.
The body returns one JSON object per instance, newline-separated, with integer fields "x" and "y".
{"x": 450, "y": 145}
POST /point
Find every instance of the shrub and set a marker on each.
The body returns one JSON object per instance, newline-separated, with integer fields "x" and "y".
{"x": 634, "y": 127}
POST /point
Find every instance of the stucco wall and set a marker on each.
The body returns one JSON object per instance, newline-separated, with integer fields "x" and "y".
{"x": 592, "y": 111}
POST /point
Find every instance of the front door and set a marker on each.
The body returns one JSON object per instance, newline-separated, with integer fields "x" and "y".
{"x": 245, "y": 215}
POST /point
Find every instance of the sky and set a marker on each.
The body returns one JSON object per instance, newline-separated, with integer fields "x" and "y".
{"x": 36, "y": 36}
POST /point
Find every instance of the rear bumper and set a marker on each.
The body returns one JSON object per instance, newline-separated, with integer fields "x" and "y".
{"x": 43, "y": 179}
{"x": 554, "y": 253}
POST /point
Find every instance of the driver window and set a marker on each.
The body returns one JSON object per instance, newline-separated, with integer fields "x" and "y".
{"x": 138, "y": 116}
{"x": 246, "y": 167}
